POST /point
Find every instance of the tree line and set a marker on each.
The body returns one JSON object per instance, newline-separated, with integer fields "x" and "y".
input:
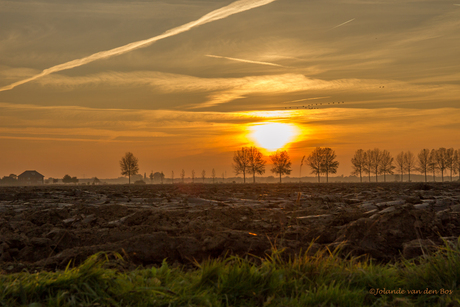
{"x": 250, "y": 160}
{"x": 427, "y": 162}
{"x": 322, "y": 161}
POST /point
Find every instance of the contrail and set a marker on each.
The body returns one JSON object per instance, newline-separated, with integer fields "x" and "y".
{"x": 233, "y": 8}
{"x": 313, "y": 98}
{"x": 243, "y": 60}
{"x": 343, "y": 23}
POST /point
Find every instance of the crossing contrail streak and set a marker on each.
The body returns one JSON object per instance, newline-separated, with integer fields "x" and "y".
{"x": 343, "y": 23}
{"x": 243, "y": 60}
{"x": 233, "y": 8}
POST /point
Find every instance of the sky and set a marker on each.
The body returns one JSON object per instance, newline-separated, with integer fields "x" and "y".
{"x": 183, "y": 84}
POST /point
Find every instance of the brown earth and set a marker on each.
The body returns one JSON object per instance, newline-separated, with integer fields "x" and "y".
{"x": 46, "y": 227}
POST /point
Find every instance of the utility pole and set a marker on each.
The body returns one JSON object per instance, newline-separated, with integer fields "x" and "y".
{"x": 301, "y": 163}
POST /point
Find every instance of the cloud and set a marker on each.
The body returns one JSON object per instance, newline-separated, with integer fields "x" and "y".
{"x": 219, "y": 91}
{"x": 233, "y": 8}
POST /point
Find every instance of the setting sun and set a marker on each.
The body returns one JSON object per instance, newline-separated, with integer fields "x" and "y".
{"x": 273, "y": 136}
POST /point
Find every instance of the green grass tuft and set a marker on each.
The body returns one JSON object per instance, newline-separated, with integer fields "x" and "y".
{"x": 322, "y": 279}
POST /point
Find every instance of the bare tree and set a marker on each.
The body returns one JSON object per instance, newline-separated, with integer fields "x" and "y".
{"x": 162, "y": 177}
{"x": 256, "y": 163}
{"x": 315, "y": 161}
{"x": 409, "y": 161}
{"x": 281, "y": 163}
{"x": 450, "y": 161}
{"x": 129, "y": 166}
{"x": 329, "y": 164}
{"x": 423, "y": 161}
{"x": 432, "y": 164}
{"x": 375, "y": 158}
{"x": 401, "y": 164}
{"x": 368, "y": 163}
{"x": 441, "y": 161}
{"x": 358, "y": 162}
{"x": 241, "y": 162}
{"x": 151, "y": 177}
{"x": 213, "y": 175}
{"x": 182, "y": 175}
{"x": 193, "y": 176}
{"x": 203, "y": 175}
{"x": 386, "y": 166}
{"x": 457, "y": 163}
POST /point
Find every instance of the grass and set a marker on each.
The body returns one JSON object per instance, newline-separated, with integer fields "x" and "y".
{"x": 324, "y": 279}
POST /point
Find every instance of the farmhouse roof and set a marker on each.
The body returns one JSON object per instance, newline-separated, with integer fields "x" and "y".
{"x": 31, "y": 174}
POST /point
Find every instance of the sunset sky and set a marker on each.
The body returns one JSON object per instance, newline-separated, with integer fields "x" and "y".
{"x": 183, "y": 84}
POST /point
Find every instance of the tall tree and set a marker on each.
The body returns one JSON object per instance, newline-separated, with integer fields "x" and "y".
{"x": 450, "y": 163}
{"x": 457, "y": 163}
{"x": 203, "y": 175}
{"x": 368, "y": 163}
{"x": 401, "y": 164}
{"x": 329, "y": 164}
{"x": 386, "y": 165}
{"x": 423, "y": 161}
{"x": 409, "y": 161}
{"x": 241, "y": 162}
{"x": 441, "y": 161}
{"x": 256, "y": 163}
{"x": 375, "y": 158}
{"x": 433, "y": 164}
{"x": 213, "y": 175}
{"x": 129, "y": 166}
{"x": 151, "y": 177}
{"x": 358, "y": 163}
{"x": 281, "y": 163}
{"x": 315, "y": 161}
{"x": 182, "y": 175}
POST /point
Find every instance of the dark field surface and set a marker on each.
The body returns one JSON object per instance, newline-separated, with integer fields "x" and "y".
{"x": 43, "y": 228}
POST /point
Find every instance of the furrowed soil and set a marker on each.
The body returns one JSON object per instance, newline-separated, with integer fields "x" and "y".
{"x": 45, "y": 227}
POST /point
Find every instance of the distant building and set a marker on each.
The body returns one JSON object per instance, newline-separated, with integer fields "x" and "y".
{"x": 30, "y": 178}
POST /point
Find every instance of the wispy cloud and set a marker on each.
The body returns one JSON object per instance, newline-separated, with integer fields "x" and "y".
{"x": 233, "y": 8}
{"x": 223, "y": 90}
{"x": 244, "y": 61}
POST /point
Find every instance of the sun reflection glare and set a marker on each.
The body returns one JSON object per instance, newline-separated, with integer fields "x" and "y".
{"x": 273, "y": 136}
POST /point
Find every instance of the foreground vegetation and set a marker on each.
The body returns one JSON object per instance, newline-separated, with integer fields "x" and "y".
{"x": 324, "y": 279}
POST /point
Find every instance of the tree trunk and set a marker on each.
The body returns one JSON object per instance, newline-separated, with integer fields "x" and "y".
{"x": 280, "y": 177}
